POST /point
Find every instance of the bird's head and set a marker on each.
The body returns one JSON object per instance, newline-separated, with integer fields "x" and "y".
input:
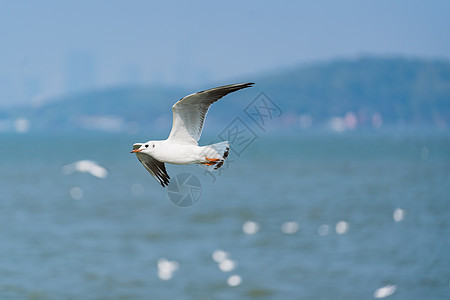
{"x": 147, "y": 148}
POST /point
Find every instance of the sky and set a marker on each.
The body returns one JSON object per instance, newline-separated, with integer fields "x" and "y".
{"x": 54, "y": 48}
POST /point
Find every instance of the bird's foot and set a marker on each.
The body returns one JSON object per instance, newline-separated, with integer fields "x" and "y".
{"x": 211, "y": 161}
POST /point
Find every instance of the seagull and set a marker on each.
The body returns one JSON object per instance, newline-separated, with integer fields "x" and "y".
{"x": 86, "y": 166}
{"x": 181, "y": 147}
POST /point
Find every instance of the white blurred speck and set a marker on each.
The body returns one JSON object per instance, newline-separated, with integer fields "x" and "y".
{"x": 399, "y": 215}
{"x": 76, "y": 193}
{"x": 384, "y": 291}
{"x": 337, "y": 124}
{"x": 289, "y": 227}
{"x": 164, "y": 275}
{"x": 137, "y": 189}
{"x": 342, "y": 227}
{"x": 166, "y": 268}
{"x": 227, "y": 265}
{"x": 234, "y": 280}
{"x": 220, "y": 255}
{"x": 21, "y": 125}
{"x": 424, "y": 153}
{"x": 250, "y": 227}
{"x": 323, "y": 230}
{"x": 86, "y": 166}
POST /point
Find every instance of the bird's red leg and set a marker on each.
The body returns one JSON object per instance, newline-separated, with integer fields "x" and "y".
{"x": 211, "y": 161}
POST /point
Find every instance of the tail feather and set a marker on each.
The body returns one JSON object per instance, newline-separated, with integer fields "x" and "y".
{"x": 224, "y": 157}
{"x": 218, "y": 151}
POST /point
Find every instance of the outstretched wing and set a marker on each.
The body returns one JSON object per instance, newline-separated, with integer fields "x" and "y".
{"x": 156, "y": 168}
{"x": 189, "y": 112}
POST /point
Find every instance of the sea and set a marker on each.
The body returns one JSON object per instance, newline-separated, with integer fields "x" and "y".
{"x": 318, "y": 215}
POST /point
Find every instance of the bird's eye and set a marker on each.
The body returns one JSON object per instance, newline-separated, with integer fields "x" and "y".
{"x": 153, "y": 145}
{"x": 146, "y": 146}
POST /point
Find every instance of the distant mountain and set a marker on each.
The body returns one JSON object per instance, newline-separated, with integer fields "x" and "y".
{"x": 409, "y": 91}
{"x": 341, "y": 94}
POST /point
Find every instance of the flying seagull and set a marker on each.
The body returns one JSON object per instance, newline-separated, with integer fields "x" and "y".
{"x": 181, "y": 146}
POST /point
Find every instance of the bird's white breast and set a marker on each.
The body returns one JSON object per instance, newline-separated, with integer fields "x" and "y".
{"x": 181, "y": 154}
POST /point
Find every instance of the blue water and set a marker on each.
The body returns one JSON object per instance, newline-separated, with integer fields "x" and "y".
{"x": 105, "y": 242}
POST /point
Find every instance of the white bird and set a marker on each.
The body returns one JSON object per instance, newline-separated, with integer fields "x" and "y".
{"x": 86, "y": 166}
{"x": 181, "y": 146}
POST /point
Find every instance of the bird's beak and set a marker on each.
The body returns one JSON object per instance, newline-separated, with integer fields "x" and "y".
{"x": 136, "y": 150}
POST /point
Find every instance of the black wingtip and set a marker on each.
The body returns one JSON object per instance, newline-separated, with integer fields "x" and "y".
{"x": 239, "y": 86}
{"x": 247, "y": 85}
{"x": 164, "y": 183}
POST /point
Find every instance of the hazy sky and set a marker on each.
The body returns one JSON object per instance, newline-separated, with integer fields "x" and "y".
{"x": 55, "y": 47}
